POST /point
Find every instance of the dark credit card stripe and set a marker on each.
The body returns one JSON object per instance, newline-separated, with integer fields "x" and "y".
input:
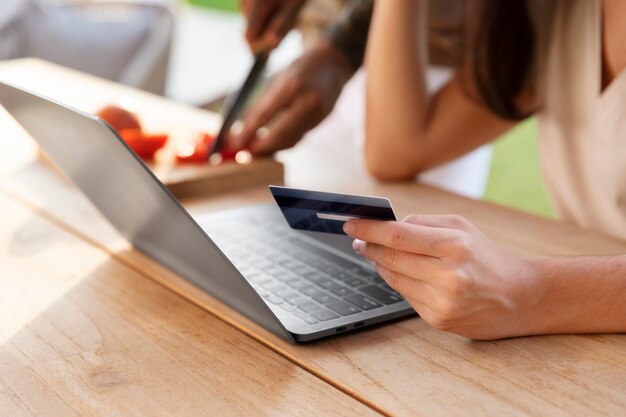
{"x": 383, "y": 213}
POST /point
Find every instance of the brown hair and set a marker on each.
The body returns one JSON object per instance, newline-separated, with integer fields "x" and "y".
{"x": 502, "y": 54}
{"x": 495, "y": 42}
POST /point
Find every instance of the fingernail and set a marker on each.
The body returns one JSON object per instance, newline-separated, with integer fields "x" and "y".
{"x": 348, "y": 228}
{"x": 357, "y": 245}
{"x": 237, "y": 128}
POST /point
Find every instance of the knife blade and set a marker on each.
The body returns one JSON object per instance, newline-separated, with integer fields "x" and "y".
{"x": 236, "y": 106}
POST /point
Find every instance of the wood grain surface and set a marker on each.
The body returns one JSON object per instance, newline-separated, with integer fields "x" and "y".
{"x": 191, "y": 180}
{"x": 402, "y": 368}
{"x": 82, "y": 334}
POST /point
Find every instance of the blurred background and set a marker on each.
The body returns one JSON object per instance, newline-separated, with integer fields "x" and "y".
{"x": 194, "y": 51}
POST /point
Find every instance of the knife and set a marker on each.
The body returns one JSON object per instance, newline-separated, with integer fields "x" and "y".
{"x": 236, "y": 106}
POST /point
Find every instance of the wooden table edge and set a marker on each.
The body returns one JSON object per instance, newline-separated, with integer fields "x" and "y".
{"x": 194, "y": 295}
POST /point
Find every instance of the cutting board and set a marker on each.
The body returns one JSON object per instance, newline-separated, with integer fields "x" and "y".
{"x": 158, "y": 115}
{"x": 186, "y": 181}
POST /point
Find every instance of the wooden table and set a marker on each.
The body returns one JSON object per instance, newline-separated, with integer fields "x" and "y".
{"x": 90, "y": 326}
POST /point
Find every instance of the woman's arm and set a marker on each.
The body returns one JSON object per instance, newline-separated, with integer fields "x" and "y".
{"x": 585, "y": 294}
{"x": 408, "y": 131}
{"x": 460, "y": 281}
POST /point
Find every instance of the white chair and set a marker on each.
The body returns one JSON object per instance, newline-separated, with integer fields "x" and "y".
{"x": 124, "y": 41}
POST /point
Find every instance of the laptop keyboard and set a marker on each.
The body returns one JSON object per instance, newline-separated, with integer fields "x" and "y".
{"x": 306, "y": 281}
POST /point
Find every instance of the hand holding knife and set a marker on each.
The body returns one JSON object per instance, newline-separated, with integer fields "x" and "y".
{"x": 234, "y": 110}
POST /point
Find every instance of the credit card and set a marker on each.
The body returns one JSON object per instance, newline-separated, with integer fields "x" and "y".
{"x": 318, "y": 211}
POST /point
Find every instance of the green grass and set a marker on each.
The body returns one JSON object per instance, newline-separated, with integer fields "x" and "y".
{"x": 226, "y": 5}
{"x": 515, "y": 178}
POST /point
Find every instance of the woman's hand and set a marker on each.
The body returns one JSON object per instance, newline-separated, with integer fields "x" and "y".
{"x": 296, "y": 101}
{"x": 269, "y": 21}
{"x": 452, "y": 274}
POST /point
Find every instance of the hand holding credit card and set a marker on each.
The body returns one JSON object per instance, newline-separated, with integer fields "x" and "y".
{"x": 318, "y": 211}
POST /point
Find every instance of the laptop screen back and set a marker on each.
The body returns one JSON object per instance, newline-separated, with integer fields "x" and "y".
{"x": 126, "y": 192}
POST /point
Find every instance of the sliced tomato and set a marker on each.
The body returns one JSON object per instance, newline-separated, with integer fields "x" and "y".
{"x": 119, "y": 118}
{"x": 207, "y": 139}
{"x": 198, "y": 153}
{"x": 229, "y": 154}
{"x": 145, "y": 146}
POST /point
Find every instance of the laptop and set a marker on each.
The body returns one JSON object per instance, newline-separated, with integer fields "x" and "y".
{"x": 300, "y": 285}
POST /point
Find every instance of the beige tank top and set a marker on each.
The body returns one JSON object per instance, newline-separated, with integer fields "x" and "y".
{"x": 582, "y": 129}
